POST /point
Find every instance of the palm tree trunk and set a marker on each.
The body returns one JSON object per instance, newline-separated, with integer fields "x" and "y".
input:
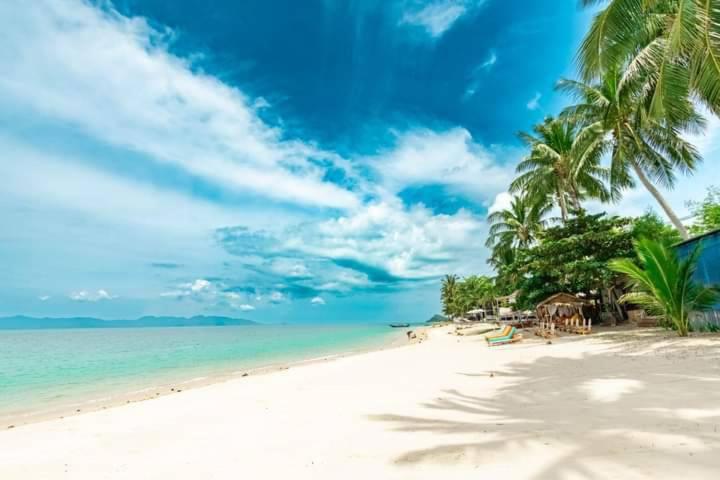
{"x": 576, "y": 199}
{"x": 674, "y": 219}
{"x": 563, "y": 205}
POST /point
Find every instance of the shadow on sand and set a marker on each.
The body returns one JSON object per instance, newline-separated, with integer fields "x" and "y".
{"x": 641, "y": 397}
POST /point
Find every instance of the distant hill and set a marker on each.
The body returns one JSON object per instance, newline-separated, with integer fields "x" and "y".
{"x": 437, "y": 319}
{"x": 22, "y": 322}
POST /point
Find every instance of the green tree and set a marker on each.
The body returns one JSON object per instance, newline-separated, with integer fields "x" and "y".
{"x": 449, "y": 294}
{"x": 707, "y": 212}
{"x": 475, "y": 291}
{"x": 652, "y": 226}
{"x": 517, "y": 226}
{"x": 653, "y": 150}
{"x": 673, "y": 45}
{"x": 460, "y": 296}
{"x": 572, "y": 257}
{"x": 563, "y": 164}
{"x": 663, "y": 284}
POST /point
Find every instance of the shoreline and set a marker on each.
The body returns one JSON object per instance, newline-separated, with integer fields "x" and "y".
{"x": 220, "y": 376}
{"x": 630, "y": 404}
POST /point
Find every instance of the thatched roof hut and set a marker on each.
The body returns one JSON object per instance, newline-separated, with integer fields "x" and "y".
{"x": 561, "y": 298}
{"x": 559, "y": 307}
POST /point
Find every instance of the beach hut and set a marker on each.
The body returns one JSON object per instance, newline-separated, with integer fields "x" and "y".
{"x": 563, "y": 311}
{"x": 477, "y": 315}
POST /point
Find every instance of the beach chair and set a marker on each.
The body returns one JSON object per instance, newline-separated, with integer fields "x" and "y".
{"x": 502, "y": 333}
{"x": 512, "y": 337}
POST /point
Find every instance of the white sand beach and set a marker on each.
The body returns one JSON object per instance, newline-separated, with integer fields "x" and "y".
{"x": 617, "y": 405}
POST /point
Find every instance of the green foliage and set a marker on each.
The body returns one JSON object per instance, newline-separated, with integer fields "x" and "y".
{"x": 663, "y": 284}
{"x": 707, "y": 213}
{"x": 460, "y": 296}
{"x": 571, "y": 258}
{"x": 563, "y": 164}
{"x": 651, "y": 226}
{"x": 654, "y": 150}
{"x": 515, "y": 227}
{"x": 671, "y": 46}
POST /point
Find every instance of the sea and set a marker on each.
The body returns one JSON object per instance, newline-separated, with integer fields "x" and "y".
{"x": 45, "y": 373}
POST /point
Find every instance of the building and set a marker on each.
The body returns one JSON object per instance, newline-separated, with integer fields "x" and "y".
{"x": 708, "y": 268}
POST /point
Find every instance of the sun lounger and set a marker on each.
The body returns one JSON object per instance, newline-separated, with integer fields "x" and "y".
{"x": 512, "y": 337}
{"x": 502, "y": 333}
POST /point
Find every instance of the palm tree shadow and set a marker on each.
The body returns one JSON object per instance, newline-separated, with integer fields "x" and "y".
{"x": 581, "y": 412}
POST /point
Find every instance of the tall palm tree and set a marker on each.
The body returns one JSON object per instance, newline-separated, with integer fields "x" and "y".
{"x": 518, "y": 225}
{"x": 613, "y": 112}
{"x": 563, "y": 164}
{"x": 449, "y": 293}
{"x": 663, "y": 284}
{"x": 674, "y": 44}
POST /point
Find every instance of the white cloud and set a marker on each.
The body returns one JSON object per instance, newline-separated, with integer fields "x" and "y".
{"x": 277, "y": 297}
{"x": 475, "y": 81}
{"x": 384, "y": 242}
{"x": 44, "y": 298}
{"x": 449, "y": 158}
{"x": 437, "y": 16}
{"x": 246, "y": 307}
{"x": 199, "y": 290}
{"x": 318, "y": 301}
{"x": 112, "y": 77}
{"x": 534, "y": 102}
{"x": 503, "y": 200}
{"x": 200, "y": 285}
{"x": 492, "y": 60}
{"x": 90, "y": 296}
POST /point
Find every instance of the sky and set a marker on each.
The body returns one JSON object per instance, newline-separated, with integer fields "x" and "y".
{"x": 282, "y": 161}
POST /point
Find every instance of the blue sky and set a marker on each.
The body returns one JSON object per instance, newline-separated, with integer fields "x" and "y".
{"x": 324, "y": 160}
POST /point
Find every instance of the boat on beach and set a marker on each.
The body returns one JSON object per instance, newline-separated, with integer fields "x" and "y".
{"x": 399, "y": 325}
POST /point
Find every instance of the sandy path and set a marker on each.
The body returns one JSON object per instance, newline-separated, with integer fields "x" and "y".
{"x": 615, "y": 406}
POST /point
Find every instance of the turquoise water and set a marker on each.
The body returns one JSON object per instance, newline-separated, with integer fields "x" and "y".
{"x": 46, "y": 370}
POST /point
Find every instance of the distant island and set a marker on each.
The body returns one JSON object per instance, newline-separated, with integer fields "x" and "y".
{"x": 30, "y": 323}
{"x": 437, "y": 319}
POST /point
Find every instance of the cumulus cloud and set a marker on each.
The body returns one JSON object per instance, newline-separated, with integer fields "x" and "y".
{"x": 503, "y": 200}
{"x": 452, "y": 158}
{"x": 246, "y": 307}
{"x": 380, "y": 245}
{"x": 91, "y": 296}
{"x": 277, "y": 297}
{"x": 318, "y": 301}
{"x": 114, "y": 79}
{"x": 436, "y": 17}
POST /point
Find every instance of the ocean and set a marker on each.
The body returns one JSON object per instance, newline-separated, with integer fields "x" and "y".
{"x": 43, "y": 372}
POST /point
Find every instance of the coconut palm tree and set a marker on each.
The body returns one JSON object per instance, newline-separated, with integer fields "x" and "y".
{"x": 448, "y": 294}
{"x": 663, "y": 284}
{"x": 613, "y": 112}
{"x": 564, "y": 164}
{"x": 673, "y": 44}
{"x": 518, "y": 225}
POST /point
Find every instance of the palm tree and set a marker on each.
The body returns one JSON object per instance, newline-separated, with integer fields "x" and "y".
{"x": 663, "y": 284}
{"x": 613, "y": 112}
{"x": 564, "y": 164}
{"x": 448, "y": 294}
{"x": 673, "y": 44}
{"x": 517, "y": 226}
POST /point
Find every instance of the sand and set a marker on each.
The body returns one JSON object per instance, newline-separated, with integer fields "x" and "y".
{"x": 621, "y": 405}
